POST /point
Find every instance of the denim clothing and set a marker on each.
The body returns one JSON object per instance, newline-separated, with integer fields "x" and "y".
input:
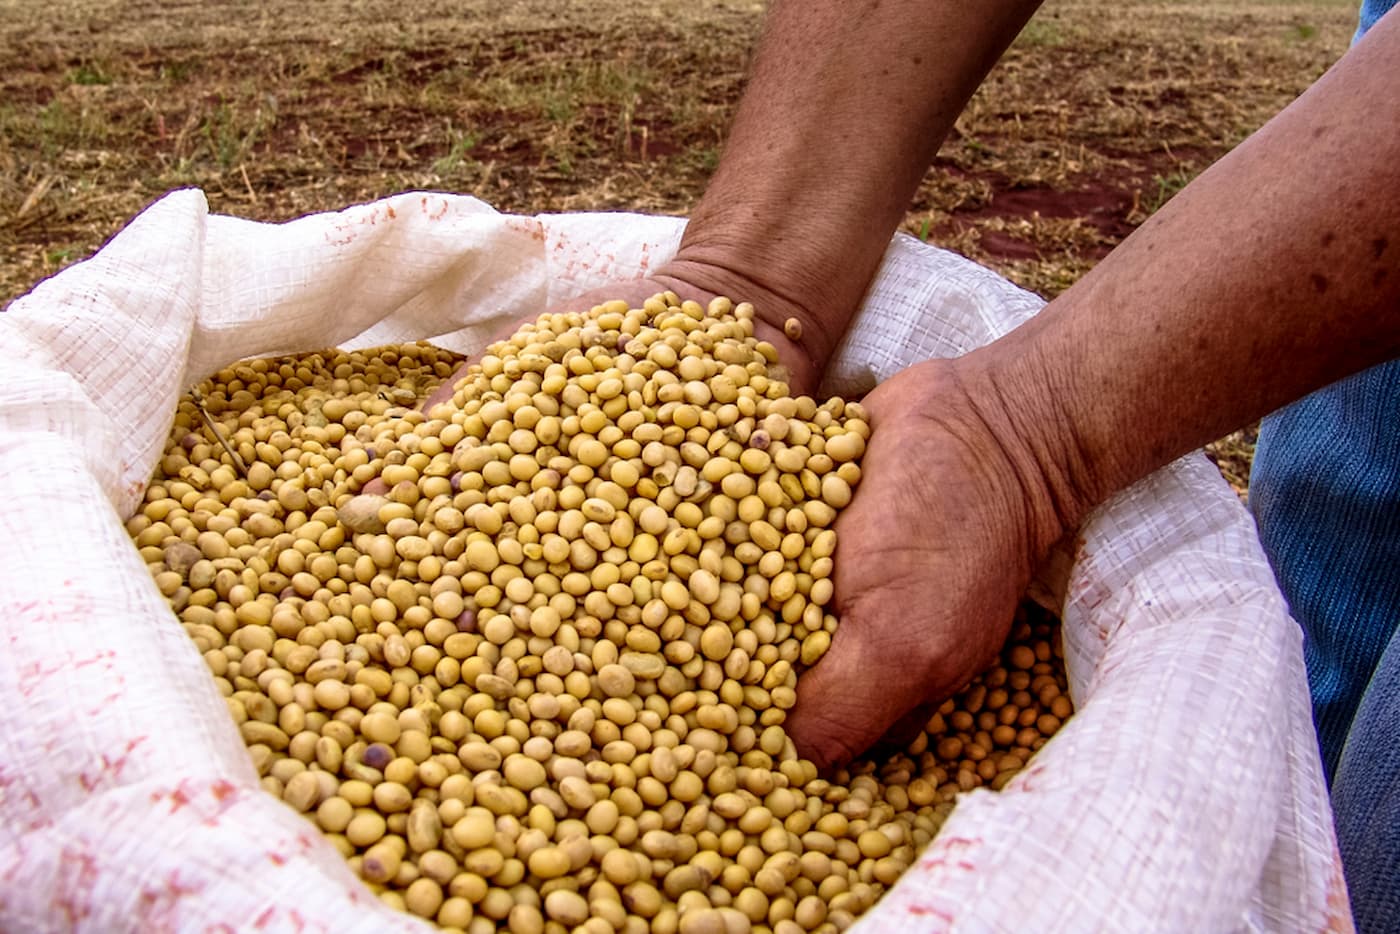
{"x": 1366, "y": 801}
{"x": 1371, "y": 10}
{"x": 1325, "y": 491}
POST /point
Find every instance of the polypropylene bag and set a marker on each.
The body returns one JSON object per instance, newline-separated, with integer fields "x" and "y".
{"x": 1185, "y": 794}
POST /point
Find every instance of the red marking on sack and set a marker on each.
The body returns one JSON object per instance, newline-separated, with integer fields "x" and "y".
{"x": 922, "y": 911}
{"x": 277, "y": 859}
{"x": 343, "y": 232}
{"x": 34, "y": 674}
{"x": 110, "y": 767}
{"x": 110, "y": 699}
{"x": 958, "y": 841}
{"x": 1338, "y": 901}
{"x": 949, "y": 850}
{"x": 1028, "y": 777}
{"x": 266, "y": 918}
{"x": 174, "y": 888}
{"x": 31, "y": 800}
{"x": 80, "y": 866}
{"x": 437, "y": 212}
{"x": 529, "y": 226}
{"x": 224, "y": 792}
{"x": 72, "y": 910}
{"x": 1089, "y": 590}
{"x": 159, "y": 906}
{"x": 115, "y": 766}
{"x": 100, "y": 656}
{"x": 347, "y": 236}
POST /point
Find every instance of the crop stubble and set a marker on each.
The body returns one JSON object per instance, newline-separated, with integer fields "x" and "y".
{"x": 1094, "y": 118}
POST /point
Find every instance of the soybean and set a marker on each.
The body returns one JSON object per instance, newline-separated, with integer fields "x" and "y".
{"x": 527, "y": 657}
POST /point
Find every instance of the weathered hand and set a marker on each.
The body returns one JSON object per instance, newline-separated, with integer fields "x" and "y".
{"x": 700, "y": 283}
{"x": 932, "y": 556}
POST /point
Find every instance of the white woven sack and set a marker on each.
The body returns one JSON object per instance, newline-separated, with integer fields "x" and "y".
{"x": 1185, "y": 795}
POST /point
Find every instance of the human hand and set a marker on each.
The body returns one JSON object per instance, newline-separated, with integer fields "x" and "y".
{"x": 804, "y": 359}
{"x": 932, "y": 555}
{"x": 690, "y": 281}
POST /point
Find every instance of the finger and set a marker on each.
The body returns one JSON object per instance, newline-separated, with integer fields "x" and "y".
{"x": 898, "y": 737}
{"x": 631, "y": 291}
{"x": 802, "y": 375}
{"x": 503, "y": 331}
{"x": 844, "y": 703}
{"x": 443, "y": 393}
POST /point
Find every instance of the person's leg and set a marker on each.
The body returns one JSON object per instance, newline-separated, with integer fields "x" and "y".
{"x": 1366, "y": 800}
{"x": 1325, "y": 491}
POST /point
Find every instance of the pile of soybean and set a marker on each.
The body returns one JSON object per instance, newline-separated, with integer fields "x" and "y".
{"x": 538, "y": 681}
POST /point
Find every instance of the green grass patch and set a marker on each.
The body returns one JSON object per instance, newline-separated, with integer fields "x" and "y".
{"x": 89, "y": 74}
{"x": 1166, "y": 187}
{"x": 458, "y": 155}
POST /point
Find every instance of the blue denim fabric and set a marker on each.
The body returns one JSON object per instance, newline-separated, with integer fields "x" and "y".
{"x": 1326, "y": 494}
{"x": 1325, "y": 490}
{"x": 1371, "y": 10}
{"x": 1366, "y": 801}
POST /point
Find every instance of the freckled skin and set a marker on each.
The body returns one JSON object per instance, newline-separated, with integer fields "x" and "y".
{"x": 1112, "y": 378}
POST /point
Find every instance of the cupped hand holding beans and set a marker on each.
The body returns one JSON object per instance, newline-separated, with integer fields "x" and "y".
{"x": 546, "y": 675}
{"x": 933, "y": 554}
{"x": 775, "y": 322}
{"x": 933, "y": 558}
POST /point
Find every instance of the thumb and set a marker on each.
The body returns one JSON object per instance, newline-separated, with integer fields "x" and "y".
{"x": 846, "y": 701}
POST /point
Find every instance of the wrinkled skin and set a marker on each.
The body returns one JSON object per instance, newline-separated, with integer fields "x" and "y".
{"x": 932, "y": 556}
{"x": 804, "y": 373}
{"x": 933, "y": 552}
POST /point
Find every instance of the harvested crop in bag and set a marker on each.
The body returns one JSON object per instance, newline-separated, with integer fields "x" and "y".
{"x": 538, "y": 680}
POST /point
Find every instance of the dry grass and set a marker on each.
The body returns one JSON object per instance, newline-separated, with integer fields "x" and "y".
{"x": 1097, "y": 115}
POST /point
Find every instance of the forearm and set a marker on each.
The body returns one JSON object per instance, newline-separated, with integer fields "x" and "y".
{"x": 846, "y": 105}
{"x": 1271, "y": 275}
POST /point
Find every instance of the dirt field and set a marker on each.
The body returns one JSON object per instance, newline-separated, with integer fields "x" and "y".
{"x": 1097, "y": 115}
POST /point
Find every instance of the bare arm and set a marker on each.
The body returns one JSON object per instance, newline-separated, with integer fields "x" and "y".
{"x": 846, "y": 106}
{"x": 1273, "y": 274}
